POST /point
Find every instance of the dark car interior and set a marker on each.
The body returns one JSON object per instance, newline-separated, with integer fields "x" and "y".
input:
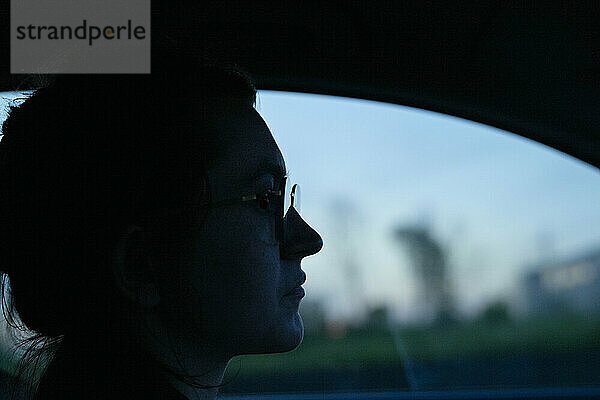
{"x": 531, "y": 68}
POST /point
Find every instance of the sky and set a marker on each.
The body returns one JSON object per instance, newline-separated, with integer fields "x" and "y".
{"x": 498, "y": 203}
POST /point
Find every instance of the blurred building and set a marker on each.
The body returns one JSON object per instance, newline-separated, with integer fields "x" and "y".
{"x": 570, "y": 285}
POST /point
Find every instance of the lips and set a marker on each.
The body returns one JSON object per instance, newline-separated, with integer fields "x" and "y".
{"x": 297, "y": 286}
{"x": 297, "y": 292}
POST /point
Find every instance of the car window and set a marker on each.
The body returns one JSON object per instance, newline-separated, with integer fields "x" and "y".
{"x": 456, "y": 255}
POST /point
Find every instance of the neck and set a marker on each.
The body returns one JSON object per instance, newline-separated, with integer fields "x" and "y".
{"x": 193, "y": 368}
{"x": 193, "y": 392}
{"x": 193, "y": 378}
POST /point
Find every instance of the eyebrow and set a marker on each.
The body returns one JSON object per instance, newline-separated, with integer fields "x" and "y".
{"x": 270, "y": 167}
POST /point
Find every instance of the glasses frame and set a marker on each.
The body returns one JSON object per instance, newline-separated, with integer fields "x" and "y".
{"x": 268, "y": 195}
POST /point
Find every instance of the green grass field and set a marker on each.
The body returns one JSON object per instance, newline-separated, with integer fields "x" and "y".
{"x": 471, "y": 339}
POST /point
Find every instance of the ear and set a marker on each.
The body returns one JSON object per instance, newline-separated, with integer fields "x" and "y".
{"x": 133, "y": 272}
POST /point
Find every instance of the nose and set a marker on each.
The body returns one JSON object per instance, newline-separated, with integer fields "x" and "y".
{"x": 300, "y": 239}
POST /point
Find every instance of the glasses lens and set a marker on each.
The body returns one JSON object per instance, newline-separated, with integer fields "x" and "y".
{"x": 281, "y": 213}
{"x": 295, "y": 197}
{"x": 291, "y": 198}
{"x": 286, "y": 196}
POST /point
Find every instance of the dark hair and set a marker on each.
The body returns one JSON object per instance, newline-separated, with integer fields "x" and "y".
{"x": 81, "y": 159}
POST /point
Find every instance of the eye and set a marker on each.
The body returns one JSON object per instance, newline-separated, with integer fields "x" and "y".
{"x": 266, "y": 200}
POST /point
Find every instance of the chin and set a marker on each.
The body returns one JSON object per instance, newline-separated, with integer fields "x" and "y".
{"x": 290, "y": 336}
{"x": 283, "y": 337}
{"x": 278, "y": 337}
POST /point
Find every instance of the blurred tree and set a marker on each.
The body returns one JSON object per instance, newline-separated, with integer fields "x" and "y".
{"x": 345, "y": 240}
{"x": 495, "y": 312}
{"x": 377, "y": 318}
{"x": 430, "y": 265}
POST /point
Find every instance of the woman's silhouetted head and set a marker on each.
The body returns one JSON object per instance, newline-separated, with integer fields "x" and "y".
{"x": 139, "y": 224}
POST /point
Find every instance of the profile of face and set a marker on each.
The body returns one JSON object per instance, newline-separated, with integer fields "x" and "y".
{"x": 237, "y": 281}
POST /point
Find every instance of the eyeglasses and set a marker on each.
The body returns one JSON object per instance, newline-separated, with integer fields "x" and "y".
{"x": 275, "y": 201}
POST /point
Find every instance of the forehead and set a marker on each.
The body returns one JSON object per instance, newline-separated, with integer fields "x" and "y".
{"x": 246, "y": 147}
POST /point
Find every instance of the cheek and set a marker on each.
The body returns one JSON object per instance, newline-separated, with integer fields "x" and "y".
{"x": 237, "y": 248}
{"x": 235, "y": 274}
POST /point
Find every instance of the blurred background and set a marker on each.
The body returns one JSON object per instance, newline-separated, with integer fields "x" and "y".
{"x": 456, "y": 255}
